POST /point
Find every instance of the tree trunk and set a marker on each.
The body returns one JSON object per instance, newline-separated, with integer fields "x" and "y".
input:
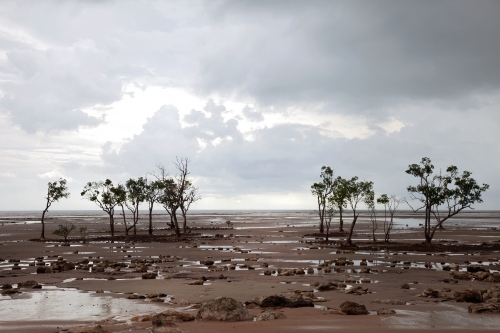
{"x": 176, "y": 224}
{"x": 125, "y": 221}
{"x": 184, "y": 223}
{"x": 43, "y": 225}
{"x": 351, "y": 230}
{"x": 112, "y": 225}
{"x": 150, "y": 230}
{"x": 341, "y": 224}
{"x": 321, "y": 217}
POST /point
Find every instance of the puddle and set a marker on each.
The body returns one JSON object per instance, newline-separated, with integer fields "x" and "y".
{"x": 69, "y": 304}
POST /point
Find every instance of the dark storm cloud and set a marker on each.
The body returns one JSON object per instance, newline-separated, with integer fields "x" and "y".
{"x": 366, "y": 54}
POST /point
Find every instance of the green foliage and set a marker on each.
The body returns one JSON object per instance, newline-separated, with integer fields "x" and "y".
{"x": 229, "y": 224}
{"x": 104, "y": 194}
{"x": 56, "y": 191}
{"x": 442, "y": 195}
{"x": 83, "y": 232}
{"x": 322, "y": 191}
{"x": 64, "y": 230}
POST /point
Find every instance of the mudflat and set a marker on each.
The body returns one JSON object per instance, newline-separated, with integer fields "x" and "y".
{"x": 120, "y": 283}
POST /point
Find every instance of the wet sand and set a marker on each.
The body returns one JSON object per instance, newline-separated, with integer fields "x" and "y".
{"x": 257, "y": 242}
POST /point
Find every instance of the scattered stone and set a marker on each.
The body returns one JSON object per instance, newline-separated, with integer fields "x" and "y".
{"x": 196, "y": 283}
{"x": 149, "y": 276}
{"x": 6, "y": 286}
{"x": 270, "y": 315}
{"x": 484, "y": 308}
{"x": 431, "y": 293}
{"x": 469, "y": 296}
{"x": 405, "y": 286}
{"x": 10, "y": 292}
{"x": 351, "y": 308}
{"x": 176, "y": 316}
{"x": 223, "y": 309}
{"x": 385, "y": 311}
{"x": 27, "y": 284}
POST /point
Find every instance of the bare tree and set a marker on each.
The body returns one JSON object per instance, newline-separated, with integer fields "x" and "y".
{"x": 372, "y": 213}
{"x": 188, "y": 192}
{"x": 322, "y": 190}
{"x": 55, "y": 191}
{"x": 390, "y": 204}
{"x": 331, "y": 211}
{"x": 106, "y": 196}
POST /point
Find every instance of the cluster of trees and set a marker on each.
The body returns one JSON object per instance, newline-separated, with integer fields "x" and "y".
{"x": 175, "y": 193}
{"x": 441, "y": 196}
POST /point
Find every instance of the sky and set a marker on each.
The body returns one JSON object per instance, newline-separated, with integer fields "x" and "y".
{"x": 259, "y": 95}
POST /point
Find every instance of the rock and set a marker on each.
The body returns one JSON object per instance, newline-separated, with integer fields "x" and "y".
{"x": 462, "y": 275}
{"x": 196, "y": 283}
{"x": 484, "y": 308}
{"x": 6, "y": 286}
{"x": 10, "y": 292}
{"x": 173, "y": 316}
{"x": 150, "y": 276}
{"x": 270, "y": 315}
{"x": 223, "y": 309}
{"x": 475, "y": 269}
{"x": 27, "y": 284}
{"x": 470, "y": 296}
{"x": 405, "y": 286}
{"x": 326, "y": 287}
{"x": 351, "y": 308}
{"x": 87, "y": 329}
{"x": 274, "y": 301}
{"x": 431, "y": 293}
{"x": 385, "y": 311}
{"x": 207, "y": 262}
{"x": 140, "y": 319}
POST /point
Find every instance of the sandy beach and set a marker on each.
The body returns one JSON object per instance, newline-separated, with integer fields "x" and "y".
{"x": 261, "y": 254}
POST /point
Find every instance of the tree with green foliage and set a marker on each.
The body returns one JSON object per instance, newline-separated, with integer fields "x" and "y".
{"x": 55, "y": 191}
{"x": 391, "y": 204}
{"x": 338, "y": 199}
{"x": 64, "y": 231}
{"x": 169, "y": 198}
{"x": 330, "y": 212}
{"x": 188, "y": 193}
{"x": 106, "y": 196}
{"x": 152, "y": 194}
{"x": 136, "y": 193}
{"x": 357, "y": 192}
{"x": 442, "y": 196}
{"x": 322, "y": 191}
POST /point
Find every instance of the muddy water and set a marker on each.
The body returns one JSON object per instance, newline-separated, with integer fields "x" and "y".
{"x": 70, "y": 304}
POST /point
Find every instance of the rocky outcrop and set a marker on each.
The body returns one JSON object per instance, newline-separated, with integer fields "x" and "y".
{"x": 351, "y": 308}
{"x": 174, "y": 316}
{"x": 477, "y": 275}
{"x": 27, "y": 284}
{"x": 149, "y": 276}
{"x": 223, "y": 309}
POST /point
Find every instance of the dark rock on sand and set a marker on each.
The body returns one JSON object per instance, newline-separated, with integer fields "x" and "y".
{"x": 351, "y": 308}
{"x": 385, "y": 311}
{"x": 149, "y": 276}
{"x": 270, "y": 315}
{"x": 470, "y": 296}
{"x": 223, "y": 309}
{"x": 484, "y": 308}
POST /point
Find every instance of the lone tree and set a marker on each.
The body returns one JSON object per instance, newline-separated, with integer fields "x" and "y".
{"x": 442, "y": 196}
{"x": 322, "y": 190}
{"x": 106, "y": 196}
{"x": 55, "y": 191}
{"x": 357, "y": 192}
{"x": 390, "y": 205}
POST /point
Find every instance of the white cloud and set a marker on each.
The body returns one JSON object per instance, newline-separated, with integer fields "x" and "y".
{"x": 54, "y": 175}
{"x": 7, "y": 174}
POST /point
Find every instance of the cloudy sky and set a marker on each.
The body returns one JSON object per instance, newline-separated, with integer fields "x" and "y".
{"x": 258, "y": 94}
